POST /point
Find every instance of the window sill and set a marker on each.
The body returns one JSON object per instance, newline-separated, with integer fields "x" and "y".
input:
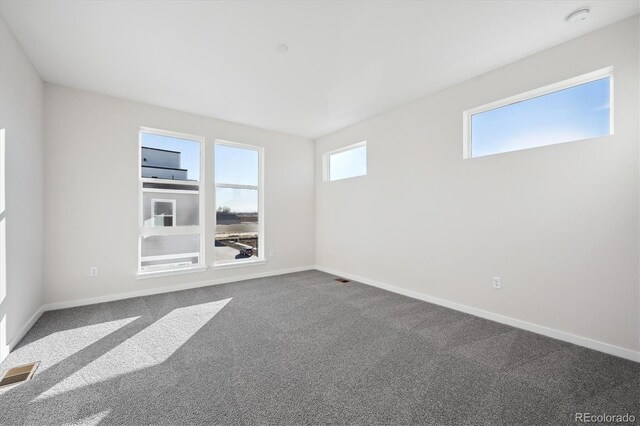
{"x": 239, "y": 264}
{"x": 168, "y": 273}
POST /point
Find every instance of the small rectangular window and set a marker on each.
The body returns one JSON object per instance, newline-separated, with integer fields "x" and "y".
{"x": 347, "y": 162}
{"x": 575, "y": 109}
{"x": 171, "y": 211}
{"x": 239, "y": 236}
{"x": 164, "y": 212}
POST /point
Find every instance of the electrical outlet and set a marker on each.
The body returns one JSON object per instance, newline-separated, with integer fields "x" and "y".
{"x": 497, "y": 282}
{"x": 93, "y": 271}
{"x": 272, "y": 253}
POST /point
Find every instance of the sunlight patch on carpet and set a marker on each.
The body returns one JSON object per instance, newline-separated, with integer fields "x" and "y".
{"x": 150, "y": 347}
{"x": 58, "y": 346}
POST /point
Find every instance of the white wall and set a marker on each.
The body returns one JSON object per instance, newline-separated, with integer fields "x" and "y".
{"x": 91, "y": 200}
{"x": 21, "y": 115}
{"x": 559, "y": 224}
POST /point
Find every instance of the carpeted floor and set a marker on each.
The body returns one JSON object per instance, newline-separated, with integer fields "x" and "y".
{"x": 302, "y": 349}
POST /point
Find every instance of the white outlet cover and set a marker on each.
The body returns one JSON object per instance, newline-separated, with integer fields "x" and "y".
{"x": 497, "y": 282}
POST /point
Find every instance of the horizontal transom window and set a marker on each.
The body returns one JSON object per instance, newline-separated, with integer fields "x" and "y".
{"x": 571, "y": 110}
{"x": 347, "y": 162}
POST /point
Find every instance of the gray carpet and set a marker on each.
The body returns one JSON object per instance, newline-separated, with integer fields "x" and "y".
{"x": 302, "y": 349}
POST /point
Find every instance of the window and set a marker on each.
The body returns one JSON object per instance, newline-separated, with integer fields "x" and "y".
{"x": 239, "y": 234}
{"x": 171, "y": 202}
{"x": 347, "y": 162}
{"x": 164, "y": 212}
{"x": 572, "y": 110}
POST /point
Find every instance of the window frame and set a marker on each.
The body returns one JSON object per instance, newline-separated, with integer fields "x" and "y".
{"x": 199, "y": 229}
{"x": 155, "y": 201}
{"x": 535, "y": 93}
{"x": 326, "y": 161}
{"x": 262, "y": 258}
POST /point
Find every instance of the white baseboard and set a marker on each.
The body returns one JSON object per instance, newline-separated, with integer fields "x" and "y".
{"x": 525, "y": 325}
{"x": 535, "y": 328}
{"x": 23, "y": 331}
{"x": 4, "y": 347}
{"x": 147, "y": 292}
{"x": 169, "y": 289}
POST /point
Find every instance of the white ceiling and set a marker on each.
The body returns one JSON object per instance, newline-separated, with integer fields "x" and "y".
{"x": 347, "y": 61}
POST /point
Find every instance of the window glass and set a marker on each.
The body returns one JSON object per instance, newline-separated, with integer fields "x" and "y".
{"x": 170, "y": 251}
{"x": 236, "y": 165}
{"x": 238, "y": 229}
{"x": 237, "y": 201}
{"x": 571, "y": 114}
{"x": 168, "y": 207}
{"x": 348, "y": 163}
{"x": 182, "y": 207}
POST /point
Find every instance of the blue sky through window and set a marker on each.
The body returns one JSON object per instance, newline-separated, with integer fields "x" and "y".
{"x": 571, "y": 114}
{"x": 349, "y": 163}
{"x": 238, "y": 166}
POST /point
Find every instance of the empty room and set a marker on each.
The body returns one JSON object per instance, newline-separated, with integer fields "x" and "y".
{"x": 319, "y": 212}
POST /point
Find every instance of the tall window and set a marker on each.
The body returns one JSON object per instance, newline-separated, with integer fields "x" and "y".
{"x": 347, "y": 162}
{"x": 239, "y": 236}
{"x": 571, "y": 110}
{"x": 171, "y": 202}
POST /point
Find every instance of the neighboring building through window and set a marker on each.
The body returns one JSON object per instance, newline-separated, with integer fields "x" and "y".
{"x": 347, "y": 162}
{"x": 239, "y": 236}
{"x": 162, "y": 164}
{"x": 171, "y": 211}
{"x": 572, "y": 110}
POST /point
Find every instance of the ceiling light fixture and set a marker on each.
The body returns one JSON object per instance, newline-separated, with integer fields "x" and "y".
{"x": 579, "y": 15}
{"x": 282, "y": 48}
